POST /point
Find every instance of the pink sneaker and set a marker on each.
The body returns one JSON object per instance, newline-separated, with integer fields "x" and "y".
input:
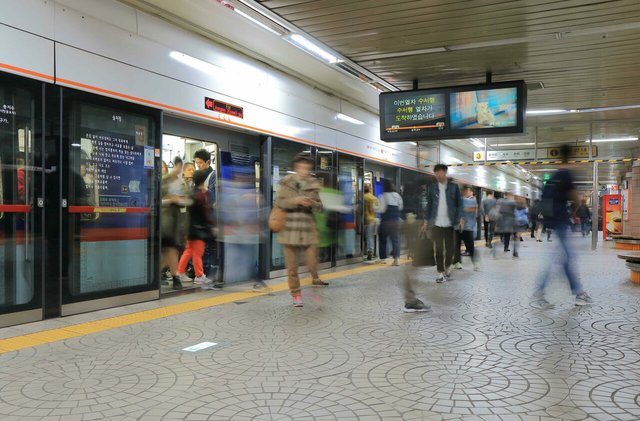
{"x": 297, "y": 301}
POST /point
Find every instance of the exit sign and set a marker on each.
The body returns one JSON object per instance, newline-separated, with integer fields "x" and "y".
{"x": 223, "y": 107}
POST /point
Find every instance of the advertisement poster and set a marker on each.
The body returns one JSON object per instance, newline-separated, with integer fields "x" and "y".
{"x": 114, "y": 170}
{"x": 611, "y": 215}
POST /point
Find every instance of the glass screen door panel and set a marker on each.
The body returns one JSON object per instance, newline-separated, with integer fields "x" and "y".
{"x": 111, "y": 183}
{"x": 350, "y": 185}
{"x": 20, "y": 182}
{"x": 175, "y": 233}
{"x": 327, "y": 220}
{"x": 241, "y": 212}
{"x": 283, "y": 153}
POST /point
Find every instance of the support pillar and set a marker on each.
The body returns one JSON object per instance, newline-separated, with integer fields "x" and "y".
{"x": 595, "y": 211}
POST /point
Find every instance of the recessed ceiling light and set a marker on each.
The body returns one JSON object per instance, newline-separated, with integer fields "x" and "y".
{"x": 196, "y": 63}
{"x": 313, "y": 49}
{"x": 614, "y": 139}
{"x": 497, "y": 145}
{"x": 552, "y": 111}
{"x": 256, "y": 21}
{"x": 348, "y": 119}
{"x": 477, "y": 142}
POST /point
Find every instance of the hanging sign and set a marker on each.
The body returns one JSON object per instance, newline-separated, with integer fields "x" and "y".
{"x": 509, "y": 155}
{"x": 223, "y": 108}
{"x": 575, "y": 152}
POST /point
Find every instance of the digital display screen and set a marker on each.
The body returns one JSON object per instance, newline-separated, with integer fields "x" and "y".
{"x": 415, "y": 114}
{"x": 484, "y": 108}
{"x": 445, "y": 113}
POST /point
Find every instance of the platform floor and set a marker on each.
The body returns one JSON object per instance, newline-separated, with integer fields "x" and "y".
{"x": 482, "y": 353}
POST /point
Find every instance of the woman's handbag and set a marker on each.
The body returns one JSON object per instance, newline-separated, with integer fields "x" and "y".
{"x": 277, "y": 219}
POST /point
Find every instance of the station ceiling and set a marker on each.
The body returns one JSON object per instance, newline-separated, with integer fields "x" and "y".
{"x": 573, "y": 54}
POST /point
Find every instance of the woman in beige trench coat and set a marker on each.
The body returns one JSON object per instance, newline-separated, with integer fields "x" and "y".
{"x": 298, "y": 195}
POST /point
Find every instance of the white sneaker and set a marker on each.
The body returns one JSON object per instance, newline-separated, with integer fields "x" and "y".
{"x": 583, "y": 299}
{"x": 204, "y": 282}
{"x": 396, "y": 262}
{"x": 476, "y": 267}
{"x": 184, "y": 278}
{"x": 441, "y": 278}
{"x": 457, "y": 266}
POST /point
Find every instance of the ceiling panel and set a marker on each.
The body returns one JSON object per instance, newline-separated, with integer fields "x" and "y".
{"x": 585, "y": 52}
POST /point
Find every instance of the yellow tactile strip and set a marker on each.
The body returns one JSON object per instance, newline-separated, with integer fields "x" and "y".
{"x": 54, "y": 335}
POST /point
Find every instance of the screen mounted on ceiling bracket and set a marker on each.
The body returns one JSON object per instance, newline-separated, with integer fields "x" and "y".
{"x": 486, "y": 110}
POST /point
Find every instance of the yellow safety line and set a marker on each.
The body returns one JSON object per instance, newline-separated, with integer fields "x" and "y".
{"x": 54, "y": 335}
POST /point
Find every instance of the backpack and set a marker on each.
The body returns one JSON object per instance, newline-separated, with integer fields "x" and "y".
{"x": 546, "y": 203}
{"x": 522, "y": 217}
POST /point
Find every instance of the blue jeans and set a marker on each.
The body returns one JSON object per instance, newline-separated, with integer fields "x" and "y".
{"x": 567, "y": 264}
{"x": 368, "y": 235}
{"x": 586, "y": 226}
{"x": 391, "y": 230}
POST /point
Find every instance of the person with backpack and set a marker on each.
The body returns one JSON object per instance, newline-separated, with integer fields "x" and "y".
{"x": 173, "y": 222}
{"x": 537, "y": 219}
{"x": 370, "y": 204}
{"x": 200, "y": 231}
{"x": 559, "y": 191}
{"x": 390, "y": 205}
{"x": 443, "y": 214}
{"x": 202, "y": 159}
{"x": 467, "y": 233}
{"x": 584, "y": 214}
{"x": 506, "y": 223}
{"x": 488, "y": 205}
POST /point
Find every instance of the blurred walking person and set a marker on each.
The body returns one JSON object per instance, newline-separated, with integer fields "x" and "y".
{"x": 443, "y": 215}
{"x": 488, "y": 204}
{"x": 423, "y": 256}
{"x": 370, "y": 205}
{"x": 240, "y": 213}
{"x": 202, "y": 160}
{"x": 298, "y": 195}
{"x": 584, "y": 214}
{"x": 172, "y": 229}
{"x": 557, "y": 193}
{"x": 537, "y": 219}
{"x": 200, "y": 231}
{"x": 468, "y": 230}
{"x": 390, "y": 205}
{"x": 506, "y": 223}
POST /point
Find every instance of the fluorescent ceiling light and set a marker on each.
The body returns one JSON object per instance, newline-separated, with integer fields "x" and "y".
{"x": 455, "y": 161}
{"x": 414, "y": 143}
{"x": 196, "y": 63}
{"x": 368, "y": 57}
{"x": 477, "y": 142}
{"x": 256, "y": 21}
{"x": 513, "y": 144}
{"x": 348, "y": 119}
{"x": 552, "y": 111}
{"x": 615, "y": 139}
{"x": 500, "y": 42}
{"x": 313, "y": 49}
